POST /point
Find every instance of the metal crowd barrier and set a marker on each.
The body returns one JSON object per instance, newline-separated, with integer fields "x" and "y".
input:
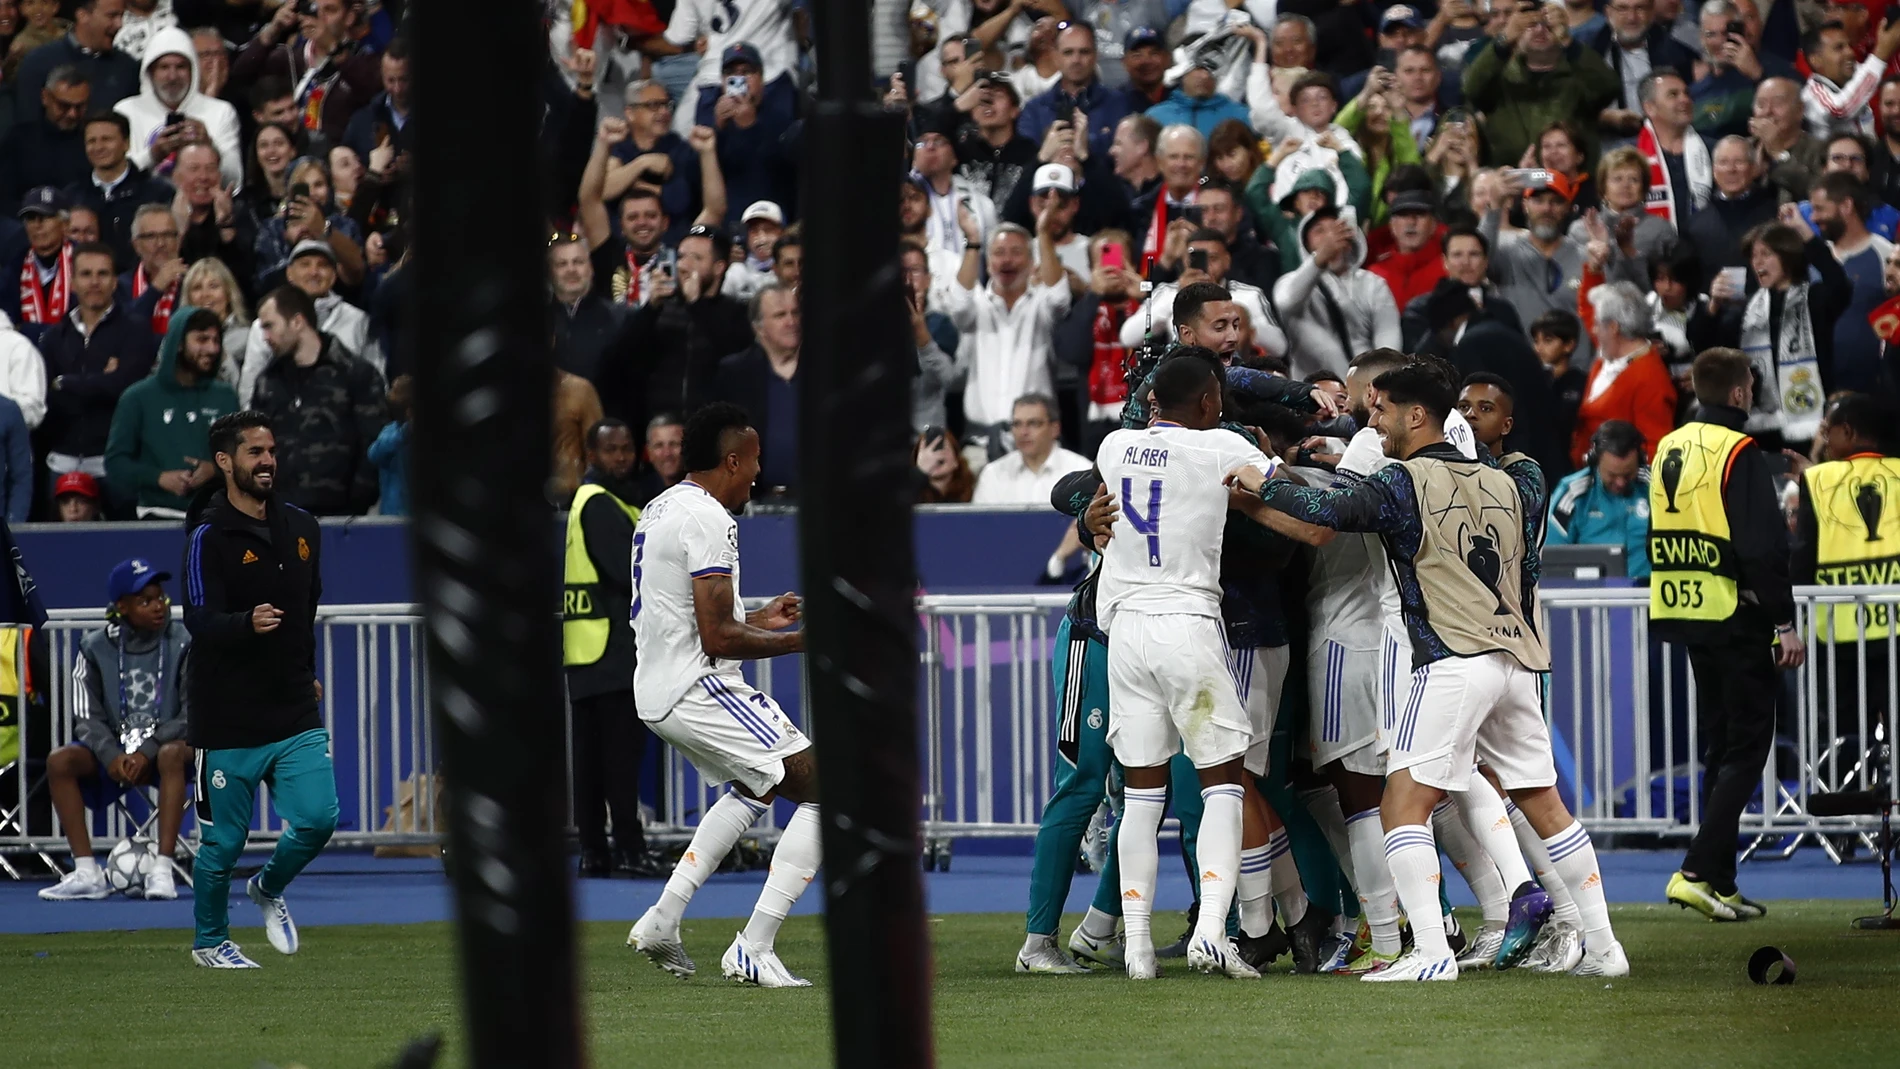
{"x": 1621, "y": 709}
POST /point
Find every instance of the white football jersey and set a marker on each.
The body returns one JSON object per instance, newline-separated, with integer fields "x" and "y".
{"x": 1167, "y": 480}
{"x": 1345, "y": 598}
{"x": 764, "y": 24}
{"x": 684, "y": 534}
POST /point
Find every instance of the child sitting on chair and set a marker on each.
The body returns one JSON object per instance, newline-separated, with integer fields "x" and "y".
{"x": 129, "y": 722}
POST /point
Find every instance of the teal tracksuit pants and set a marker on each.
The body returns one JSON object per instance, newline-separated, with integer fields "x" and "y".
{"x": 303, "y": 791}
{"x": 1083, "y": 761}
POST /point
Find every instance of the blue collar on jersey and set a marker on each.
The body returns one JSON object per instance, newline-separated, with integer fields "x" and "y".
{"x": 1165, "y": 423}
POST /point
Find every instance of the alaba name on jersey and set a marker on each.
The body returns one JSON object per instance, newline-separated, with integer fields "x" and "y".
{"x": 1167, "y": 481}
{"x": 683, "y": 534}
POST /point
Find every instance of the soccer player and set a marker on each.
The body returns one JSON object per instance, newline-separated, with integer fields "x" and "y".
{"x": 253, "y": 578}
{"x": 690, "y": 632}
{"x": 1168, "y": 680}
{"x": 1462, "y": 545}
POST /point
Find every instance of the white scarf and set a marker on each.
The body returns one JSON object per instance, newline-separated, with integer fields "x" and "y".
{"x": 1790, "y": 396}
{"x": 1662, "y": 198}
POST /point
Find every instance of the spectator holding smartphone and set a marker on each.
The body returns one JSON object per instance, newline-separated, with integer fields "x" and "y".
{"x": 170, "y": 113}
{"x": 946, "y": 475}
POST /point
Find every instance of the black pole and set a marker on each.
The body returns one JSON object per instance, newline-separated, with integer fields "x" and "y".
{"x": 487, "y": 559}
{"x": 860, "y": 579}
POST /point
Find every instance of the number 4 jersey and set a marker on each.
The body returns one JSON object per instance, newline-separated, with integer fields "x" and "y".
{"x": 1167, "y": 482}
{"x": 684, "y": 534}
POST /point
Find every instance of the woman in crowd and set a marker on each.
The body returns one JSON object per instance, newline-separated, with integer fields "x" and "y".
{"x": 1560, "y": 148}
{"x": 1387, "y": 144}
{"x": 947, "y": 476}
{"x": 1786, "y": 327}
{"x": 309, "y": 215}
{"x": 267, "y": 176}
{"x": 209, "y": 284}
{"x": 1451, "y": 158}
{"x": 1233, "y": 152}
{"x": 1623, "y": 179}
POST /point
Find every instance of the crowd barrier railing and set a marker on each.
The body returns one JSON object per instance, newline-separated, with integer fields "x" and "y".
{"x": 1620, "y": 705}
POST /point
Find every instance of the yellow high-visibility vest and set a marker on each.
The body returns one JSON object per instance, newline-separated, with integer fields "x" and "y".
{"x": 1693, "y": 575}
{"x": 1856, "y": 506}
{"x": 585, "y": 629}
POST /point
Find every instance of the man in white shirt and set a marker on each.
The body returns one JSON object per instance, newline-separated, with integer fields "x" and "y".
{"x": 935, "y": 159}
{"x": 1168, "y": 679}
{"x": 1027, "y": 475}
{"x": 171, "y": 113}
{"x": 691, "y": 633}
{"x": 1007, "y": 326}
{"x": 1055, "y": 189}
{"x": 1208, "y": 260}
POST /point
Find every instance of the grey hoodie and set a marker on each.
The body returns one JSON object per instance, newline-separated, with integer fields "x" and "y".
{"x": 126, "y": 681}
{"x": 1332, "y": 316}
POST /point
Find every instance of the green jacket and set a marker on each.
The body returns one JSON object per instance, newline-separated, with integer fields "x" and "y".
{"x": 1404, "y": 150}
{"x": 161, "y": 425}
{"x": 1521, "y": 102}
{"x": 1273, "y": 221}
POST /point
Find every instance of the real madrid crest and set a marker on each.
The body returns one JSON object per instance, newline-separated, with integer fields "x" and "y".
{"x": 303, "y": 548}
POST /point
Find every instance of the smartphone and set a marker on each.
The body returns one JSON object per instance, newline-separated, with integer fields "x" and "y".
{"x": 1192, "y": 213}
{"x": 1065, "y": 111}
{"x": 173, "y": 118}
{"x": 669, "y": 262}
{"x": 736, "y": 85}
{"x": 1112, "y": 257}
{"x": 1197, "y": 260}
{"x": 1738, "y": 28}
{"x": 301, "y": 189}
{"x": 1532, "y": 177}
{"x": 933, "y": 437}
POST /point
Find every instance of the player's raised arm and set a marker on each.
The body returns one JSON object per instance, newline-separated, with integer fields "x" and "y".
{"x": 724, "y": 635}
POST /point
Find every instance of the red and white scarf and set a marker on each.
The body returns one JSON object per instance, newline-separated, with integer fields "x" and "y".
{"x": 162, "y": 311}
{"x": 1158, "y": 229}
{"x": 39, "y": 304}
{"x": 1663, "y": 199}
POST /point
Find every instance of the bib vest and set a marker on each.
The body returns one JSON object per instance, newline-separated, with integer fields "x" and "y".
{"x": 1693, "y": 575}
{"x": 1470, "y": 560}
{"x": 585, "y": 628}
{"x": 1856, "y": 506}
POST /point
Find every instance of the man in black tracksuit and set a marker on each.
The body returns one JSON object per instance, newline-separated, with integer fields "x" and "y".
{"x": 597, "y": 636}
{"x": 252, "y": 582}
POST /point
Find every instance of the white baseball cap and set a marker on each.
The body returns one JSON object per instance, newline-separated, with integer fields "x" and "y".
{"x": 1053, "y": 176}
{"x": 762, "y": 209}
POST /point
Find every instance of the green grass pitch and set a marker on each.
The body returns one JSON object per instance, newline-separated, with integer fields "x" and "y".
{"x": 356, "y": 994}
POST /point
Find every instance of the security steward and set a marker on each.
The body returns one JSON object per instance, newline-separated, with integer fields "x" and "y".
{"x": 1718, "y": 556}
{"x": 1847, "y": 533}
{"x": 597, "y": 636}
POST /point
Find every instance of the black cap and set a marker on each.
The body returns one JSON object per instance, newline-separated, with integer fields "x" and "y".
{"x": 42, "y": 200}
{"x": 721, "y": 242}
{"x": 741, "y": 53}
{"x": 1412, "y": 200}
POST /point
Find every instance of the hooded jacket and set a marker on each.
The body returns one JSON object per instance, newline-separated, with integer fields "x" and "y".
{"x": 1309, "y": 297}
{"x": 1203, "y": 115}
{"x": 147, "y": 113}
{"x": 163, "y": 425}
{"x": 22, "y": 373}
{"x": 129, "y": 680}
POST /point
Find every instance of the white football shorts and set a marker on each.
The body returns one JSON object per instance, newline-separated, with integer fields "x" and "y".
{"x": 732, "y": 733}
{"x": 1171, "y": 692}
{"x": 1342, "y": 687}
{"x": 1260, "y": 678}
{"x": 1462, "y": 708}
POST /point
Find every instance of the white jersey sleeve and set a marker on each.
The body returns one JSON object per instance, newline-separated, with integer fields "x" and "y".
{"x": 764, "y": 24}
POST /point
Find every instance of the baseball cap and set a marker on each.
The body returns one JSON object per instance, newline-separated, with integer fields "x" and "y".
{"x": 1142, "y": 37}
{"x": 131, "y": 576}
{"x": 1559, "y": 185}
{"x": 76, "y": 482}
{"x": 1412, "y": 200}
{"x": 1053, "y": 176}
{"x": 42, "y": 200}
{"x": 741, "y": 53}
{"x": 721, "y": 242}
{"x": 762, "y": 209}
{"x": 1401, "y": 15}
{"x": 1000, "y": 80}
{"x": 313, "y": 247}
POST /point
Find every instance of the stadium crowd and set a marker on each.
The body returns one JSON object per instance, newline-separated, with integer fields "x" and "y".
{"x": 1577, "y": 199}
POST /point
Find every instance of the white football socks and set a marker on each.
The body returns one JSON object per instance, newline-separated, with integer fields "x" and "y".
{"x": 88, "y": 865}
{"x": 1137, "y": 855}
{"x": 1323, "y": 804}
{"x": 1562, "y": 906}
{"x": 1288, "y": 893}
{"x": 1574, "y": 858}
{"x": 1412, "y": 855}
{"x": 1218, "y": 851}
{"x": 1487, "y": 820}
{"x": 1472, "y": 862}
{"x": 1098, "y": 925}
{"x": 1378, "y": 900}
{"x": 1256, "y": 889}
{"x": 712, "y": 841}
{"x": 794, "y": 862}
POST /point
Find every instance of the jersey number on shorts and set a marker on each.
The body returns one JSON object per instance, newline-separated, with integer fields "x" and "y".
{"x": 639, "y": 550}
{"x": 1149, "y": 524}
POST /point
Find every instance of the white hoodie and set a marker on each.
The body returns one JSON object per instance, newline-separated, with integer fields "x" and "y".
{"x": 22, "y": 373}
{"x": 1366, "y": 309}
{"x": 147, "y": 113}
